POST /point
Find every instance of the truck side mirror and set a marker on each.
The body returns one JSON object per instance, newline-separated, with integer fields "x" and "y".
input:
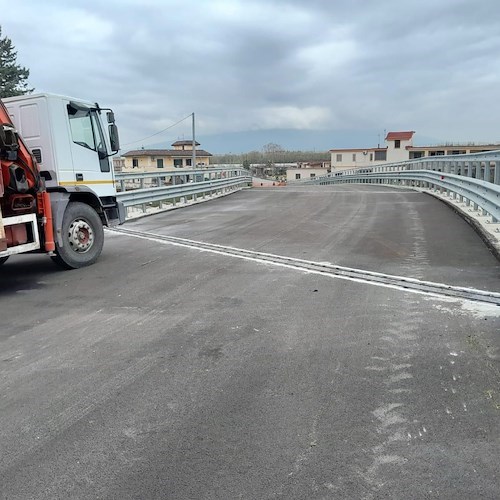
{"x": 113, "y": 137}
{"x": 111, "y": 117}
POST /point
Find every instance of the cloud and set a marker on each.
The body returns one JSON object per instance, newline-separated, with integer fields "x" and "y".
{"x": 292, "y": 117}
{"x": 263, "y": 64}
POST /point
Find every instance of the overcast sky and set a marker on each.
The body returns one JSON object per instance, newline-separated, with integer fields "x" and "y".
{"x": 432, "y": 66}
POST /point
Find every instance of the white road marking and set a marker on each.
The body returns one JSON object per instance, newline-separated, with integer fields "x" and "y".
{"x": 257, "y": 257}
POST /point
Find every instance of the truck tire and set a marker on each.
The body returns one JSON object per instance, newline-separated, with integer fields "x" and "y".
{"x": 83, "y": 237}
{"x": 3, "y": 259}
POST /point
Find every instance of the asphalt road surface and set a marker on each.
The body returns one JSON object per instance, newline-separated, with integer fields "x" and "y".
{"x": 170, "y": 371}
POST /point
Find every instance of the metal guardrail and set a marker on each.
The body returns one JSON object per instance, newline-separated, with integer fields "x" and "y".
{"x": 158, "y": 190}
{"x": 473, "y": 179}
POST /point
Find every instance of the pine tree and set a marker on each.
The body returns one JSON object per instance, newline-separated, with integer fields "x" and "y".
{"x": 13, "y": 77}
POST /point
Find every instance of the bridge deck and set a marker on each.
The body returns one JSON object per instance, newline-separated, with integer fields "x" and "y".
{"x": 167, "y": 371}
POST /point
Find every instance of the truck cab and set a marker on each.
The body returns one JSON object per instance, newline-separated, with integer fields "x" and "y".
{"x": 72, "y": 141}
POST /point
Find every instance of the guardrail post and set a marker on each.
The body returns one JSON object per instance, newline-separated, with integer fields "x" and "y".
{"x": 496, "y": 180}
{"x": 496, "y": 175}
{"x": 458, "y": 171}
{"x": 486, "y": 175}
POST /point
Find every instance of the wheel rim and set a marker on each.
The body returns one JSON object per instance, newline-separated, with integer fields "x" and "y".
{"x": 80, "y": 236}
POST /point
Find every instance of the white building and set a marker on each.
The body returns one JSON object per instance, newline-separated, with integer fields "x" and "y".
{"x": 307, "y": 170}
{"x": 395, "y": 150}
{"x": 399, "y": 147}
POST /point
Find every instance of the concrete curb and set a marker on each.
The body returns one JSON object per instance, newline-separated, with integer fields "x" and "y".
{"x": 473, "y": 218}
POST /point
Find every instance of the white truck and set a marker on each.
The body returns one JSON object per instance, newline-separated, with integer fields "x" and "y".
{"x": 57, "y": 187}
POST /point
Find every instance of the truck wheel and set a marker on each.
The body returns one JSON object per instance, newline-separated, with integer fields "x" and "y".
{"x": 3, "y": 259}
{"x": 83, "y": 237}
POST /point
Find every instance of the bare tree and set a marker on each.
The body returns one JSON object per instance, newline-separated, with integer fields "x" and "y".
{"x": 272, "y": 148}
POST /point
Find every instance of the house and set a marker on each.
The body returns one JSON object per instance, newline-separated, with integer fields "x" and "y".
{"x": 307, "y": 170}
{"x": 150, "y": 160}
{"x": 118, "y": 164}
{"x": 394, "y": 151}
{"x": 399, "y": 147}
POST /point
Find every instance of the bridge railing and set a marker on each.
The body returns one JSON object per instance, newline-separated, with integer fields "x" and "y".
{"x": 153, "y": 191}
{"x": 473, "y": 179}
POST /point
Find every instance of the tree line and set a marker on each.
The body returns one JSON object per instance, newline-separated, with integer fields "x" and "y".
{"x": 269, "y": 155}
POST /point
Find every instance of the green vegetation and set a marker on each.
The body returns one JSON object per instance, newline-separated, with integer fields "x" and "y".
{"x": 271, "y": 153}
{"x": 13, "y": 77}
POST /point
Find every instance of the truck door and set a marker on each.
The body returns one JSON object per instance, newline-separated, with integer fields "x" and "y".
{"x": 91, "y": 163}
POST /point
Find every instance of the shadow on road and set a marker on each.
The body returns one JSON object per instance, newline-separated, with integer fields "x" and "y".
{"x": 26, "y": 273}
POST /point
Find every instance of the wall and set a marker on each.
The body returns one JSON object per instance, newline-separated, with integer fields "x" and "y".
{"x": 146, "y": 164}
{"x": 359, "y": 160}
{"x": 305, "y": 173}
{"x": 398, "y": 154}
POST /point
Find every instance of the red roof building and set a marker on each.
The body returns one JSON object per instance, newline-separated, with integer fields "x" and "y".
{"x": 400, "y": 136}
{"x": 399, "y": 147}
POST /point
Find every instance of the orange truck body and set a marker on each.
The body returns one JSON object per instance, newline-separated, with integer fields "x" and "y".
{"x": 22, "y": 190}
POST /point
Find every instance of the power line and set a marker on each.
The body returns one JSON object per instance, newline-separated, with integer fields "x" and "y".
{"x": 160, "y": 132}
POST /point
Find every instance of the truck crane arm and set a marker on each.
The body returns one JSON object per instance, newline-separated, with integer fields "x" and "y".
{"x": 22, "y": 190}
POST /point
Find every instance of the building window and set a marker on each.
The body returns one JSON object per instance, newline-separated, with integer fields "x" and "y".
{"x": 178, "y": 162}
{"x": 416, "y": 154}
{"x": 135, "y": 162}
{"x": 313, "y": 176}
{"x": 354, "y": 157}
{"x": 189, "y": 162}
{"x": 371, "y": 156}
{"x": 397, "y": 143}
{"x": 297, "y": 176}
{"x": 159, "y": 162}
{"x": 380, "y": 155}
{"x": 339, "y": 157}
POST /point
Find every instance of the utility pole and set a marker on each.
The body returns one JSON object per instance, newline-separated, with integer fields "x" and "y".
{"x": 193, "y": 160}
